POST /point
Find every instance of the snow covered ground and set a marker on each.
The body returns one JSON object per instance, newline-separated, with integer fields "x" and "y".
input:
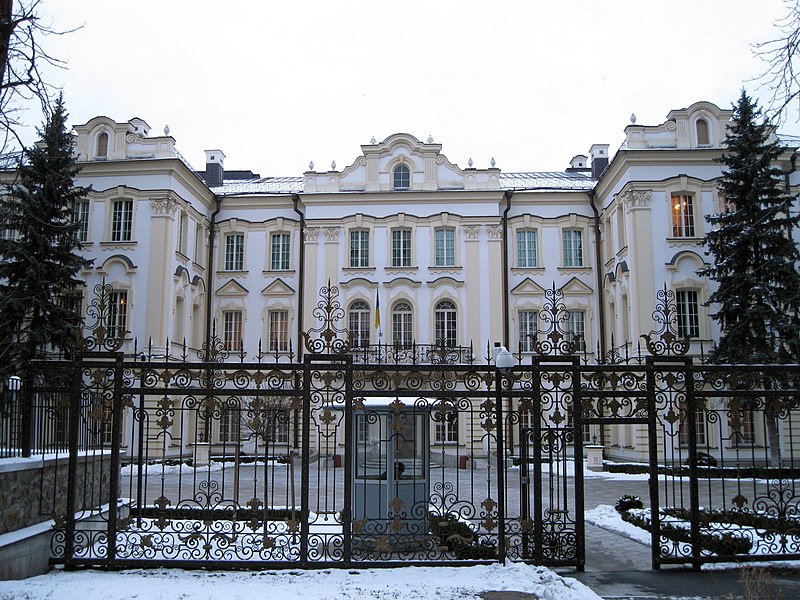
{"x": 406, "y": 583}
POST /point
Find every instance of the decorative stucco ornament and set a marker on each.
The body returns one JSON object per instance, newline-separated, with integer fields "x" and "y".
{"x": 166, "y": 129}
{"x": 430, "y": 138}
{"x": 492, "y": 162}
{"x": 333, "y": 165}
{"x": 469, "y": 162}
{"x": 633, "y": 119}
{"x": 311, "y": 166}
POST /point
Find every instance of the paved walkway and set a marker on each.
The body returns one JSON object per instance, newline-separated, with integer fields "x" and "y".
{"x": 617, "y": 567}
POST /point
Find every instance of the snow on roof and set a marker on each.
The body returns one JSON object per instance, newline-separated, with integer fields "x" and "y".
{"x": 508, "y": 181}
{"x": 556, "y": 180}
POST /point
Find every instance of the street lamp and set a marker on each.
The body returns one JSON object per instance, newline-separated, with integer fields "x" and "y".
{"x": 503, "y": 361}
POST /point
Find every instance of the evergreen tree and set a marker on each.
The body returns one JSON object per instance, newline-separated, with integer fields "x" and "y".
{"x": 38, "y": 263}
{"x": 755, "y": 259}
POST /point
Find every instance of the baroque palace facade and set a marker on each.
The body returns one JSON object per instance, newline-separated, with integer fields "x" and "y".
{"x": 447, "y": 255}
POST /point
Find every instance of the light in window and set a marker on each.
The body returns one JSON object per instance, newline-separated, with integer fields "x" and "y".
{"x": 682, "y": 215}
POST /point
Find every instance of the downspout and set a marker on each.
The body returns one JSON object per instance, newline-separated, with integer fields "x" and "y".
{"x": 302, "y": 276}
{"x": 506, "y": 336}
{"x": 599, "y": 270}
{"x": 209, "y": 279}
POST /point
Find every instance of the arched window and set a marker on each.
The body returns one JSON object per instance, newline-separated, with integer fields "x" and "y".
{"x": 359, "y": 324}
{"x": 703, "y": 138}
{"x": 401, "y": 177}
{"x": 445, "y": 323}
{"x": 402, "y": 324}
{"x": 102, "y": 145}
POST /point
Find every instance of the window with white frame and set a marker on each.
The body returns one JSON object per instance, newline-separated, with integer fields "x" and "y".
{"x": 688, "y": 316}
{"x": 232, "y": 330}
{"x": 682, "y": 215}
{"x": 703, "y": 138}
{"x": 401, "y": 177}
{"x": 576, "y": 328}
{"x": 526, "y": 249}
{"x": 277, "y": 426}
{"x": 445, "y": 247}
{"x": 229, "y": 425}
{"x": 446, "y": 427}
{"x": 359, "y": 248}
{"x": 234, "y": 252}
{"x": 401, "y": 247}
{"x": 80, "y": 215}
{"x": 402, "y": 324}
{"x": 528, "y": 327}
{"x": 117, "y": 313}
{"x": 573, "y": 247}
{"x": 198, "y": 242}
{"x": 183, "y": 233}
{"x": 699, "y": 425}
{"x": 102, "y": 145}
{"x": 445, "y": 323}
{"x": 279, "y": 257}
{"x": 122, "y": 220}
{"x": 359, "y": 318}
{"x": 741, "y": 423}
{"x": 279, "y": 331}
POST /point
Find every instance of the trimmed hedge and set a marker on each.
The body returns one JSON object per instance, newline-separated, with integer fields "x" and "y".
{"x": 721, "y": 544}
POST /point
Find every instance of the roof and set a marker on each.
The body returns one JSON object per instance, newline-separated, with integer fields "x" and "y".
{"x": 555, "y": 180}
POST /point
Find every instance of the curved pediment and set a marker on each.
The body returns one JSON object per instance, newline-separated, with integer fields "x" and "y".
{"x": 428, "y": 170}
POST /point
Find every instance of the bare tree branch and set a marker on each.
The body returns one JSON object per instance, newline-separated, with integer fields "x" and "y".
{"x": 21, "y": 58}
{"x": 782, "y": 74}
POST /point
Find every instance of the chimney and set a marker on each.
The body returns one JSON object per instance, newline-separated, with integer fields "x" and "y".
{"x": 598, "y": 157}
{"x": 215, "y": 168}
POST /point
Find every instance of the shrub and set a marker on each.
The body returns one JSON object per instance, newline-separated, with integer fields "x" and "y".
{"x": 627, "y": 502}
{"x": 704, "y": 459}
{"x": 459, "y": 538}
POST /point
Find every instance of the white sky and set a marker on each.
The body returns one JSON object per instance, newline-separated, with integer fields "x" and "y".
{"x": 275, "y": 84}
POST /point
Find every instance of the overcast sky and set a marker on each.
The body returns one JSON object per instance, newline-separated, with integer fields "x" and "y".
{"x": 276, "y": 84}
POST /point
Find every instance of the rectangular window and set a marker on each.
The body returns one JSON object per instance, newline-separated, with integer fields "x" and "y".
{"x": 359, "y": 248}
{"x": 122, "y": 221}
{"x": 445, "y": 326}
{"x": 229, "y": 426}
{"x": 446, "y": 427}
{"x": 234, "y": 252}
{"x": 183, "y": 233}
{"x": 688, "y": 316}
{"x": 528, "y": 326}
{"x": 402, "y": 328}
{"x": 117, "y": 314}
{"x": 277, "y": 426}
{"x": 279, "y": 331}
{"x": 80, "y": 215}
{"x": 573, "y": 248}
{"x": 401, "y": 248}
{"x": 232, "y": 330}
{"x": 72, "y": 301}
{"x": 359, "y": 325}
{"x": 198, "y": 242}
{"x": 280, "y": 252}
{"x": 741, "y": 423}
{"x": 699, "y": 426}
{"x": 445, "y": 242}
{"x": 526, "y": 249}
{"x": 576, "y": 329}
{"x": 682, "y": 215}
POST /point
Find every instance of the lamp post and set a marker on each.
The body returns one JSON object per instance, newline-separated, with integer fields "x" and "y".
{"x": 503, "y": 361}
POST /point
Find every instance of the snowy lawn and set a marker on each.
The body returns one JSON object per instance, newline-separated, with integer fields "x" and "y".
{"x": 407, "y": 583}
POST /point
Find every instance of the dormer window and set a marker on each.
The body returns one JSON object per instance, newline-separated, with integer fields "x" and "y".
{"x": 703, "y": 139}
{"x": 102, "y": 146}
{"x": 401, "y": 177}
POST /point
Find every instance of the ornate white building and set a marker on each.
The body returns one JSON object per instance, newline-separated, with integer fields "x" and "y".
{"x": 448, "y": 256}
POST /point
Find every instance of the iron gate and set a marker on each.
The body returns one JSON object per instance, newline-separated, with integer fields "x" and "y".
{"x": 277, "y": 463}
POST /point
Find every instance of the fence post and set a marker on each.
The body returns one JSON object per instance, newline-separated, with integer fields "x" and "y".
{"x": 26, "y": 410}
{"x": 694, "y": 493}
{"x": 652, "y": 437}
{"x": 501, "y": 468}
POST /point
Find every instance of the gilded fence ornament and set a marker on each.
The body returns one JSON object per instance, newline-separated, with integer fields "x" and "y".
{"x": 329, "y": 338}
{"x": 555, "y": 338}
{"x": 104, "y": 336}
{"x": 665, "y": 341}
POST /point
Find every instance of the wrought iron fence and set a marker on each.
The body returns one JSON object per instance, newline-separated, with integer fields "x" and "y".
{"x": 334, "y": 461}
